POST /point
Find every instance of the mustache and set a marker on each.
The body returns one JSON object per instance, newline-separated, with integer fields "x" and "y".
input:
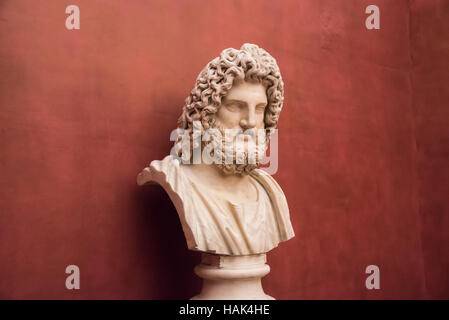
{"x": 252, "y": 133}
{"x": 239, "y": 133}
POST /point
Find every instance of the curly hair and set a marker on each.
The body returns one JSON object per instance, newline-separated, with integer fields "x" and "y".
{"x": 250, "y": 63}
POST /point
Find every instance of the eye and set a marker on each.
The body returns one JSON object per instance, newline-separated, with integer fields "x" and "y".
{"x": 234, "y": 106}
{"x": 260, "y": 108}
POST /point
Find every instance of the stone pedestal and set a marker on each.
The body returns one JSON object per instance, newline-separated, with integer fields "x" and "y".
{"x": 232, "y": 277}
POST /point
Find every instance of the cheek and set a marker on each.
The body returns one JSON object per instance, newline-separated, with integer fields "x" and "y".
{"x": 260, "y": 123}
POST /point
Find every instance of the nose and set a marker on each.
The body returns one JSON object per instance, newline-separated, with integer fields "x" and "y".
{"x": 249, "y": 121}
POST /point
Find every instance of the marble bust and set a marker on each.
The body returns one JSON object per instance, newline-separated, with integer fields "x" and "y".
{"x": 228, "y": 206}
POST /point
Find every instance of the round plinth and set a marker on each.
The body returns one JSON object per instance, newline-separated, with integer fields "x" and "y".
{"x": 232, "y": 277}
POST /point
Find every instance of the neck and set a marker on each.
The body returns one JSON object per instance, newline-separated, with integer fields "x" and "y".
{"x": 215, "y": 175}
{"x": 236, "y": 187}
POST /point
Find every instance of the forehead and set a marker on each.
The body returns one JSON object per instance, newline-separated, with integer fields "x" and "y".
{"x": 247, "y": 91}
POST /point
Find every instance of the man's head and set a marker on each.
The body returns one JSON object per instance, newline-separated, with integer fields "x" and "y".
{"x": 240, "y": 89}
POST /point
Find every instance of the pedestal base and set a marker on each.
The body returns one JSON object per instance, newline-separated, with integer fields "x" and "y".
{"x": 232, "y": 277}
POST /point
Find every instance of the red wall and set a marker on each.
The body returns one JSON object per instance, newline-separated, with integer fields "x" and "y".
{"x": 364, "y": 144}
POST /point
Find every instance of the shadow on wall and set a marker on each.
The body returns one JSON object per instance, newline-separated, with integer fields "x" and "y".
{"x": 159, "y": 233}
{"x": 162, "y": 241}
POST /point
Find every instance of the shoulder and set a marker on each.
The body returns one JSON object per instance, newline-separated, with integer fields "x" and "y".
{"x": 282, "y": 213}
{"x": 267, "y": 181}
{"x": 166, "y": 165}
{"x": 166, "y": 169}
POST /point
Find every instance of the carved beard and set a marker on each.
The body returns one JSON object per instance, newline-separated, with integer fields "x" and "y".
{"x": 244, "y": 165}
